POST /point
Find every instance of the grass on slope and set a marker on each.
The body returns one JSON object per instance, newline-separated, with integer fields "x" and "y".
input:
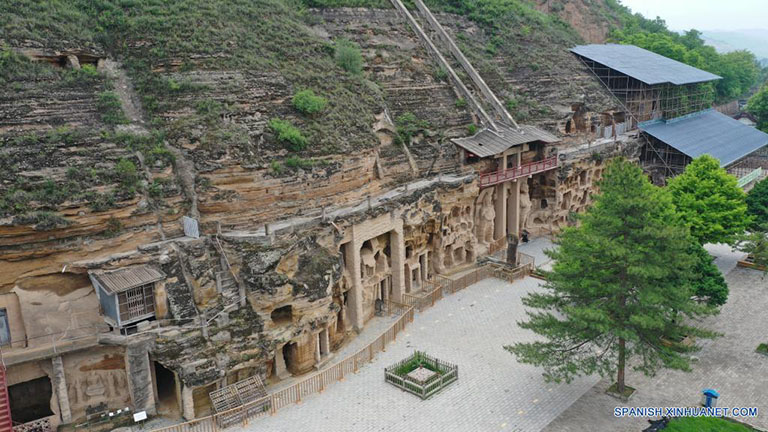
{"x": 244, "y": 35}
{"x": 705, "y": 424}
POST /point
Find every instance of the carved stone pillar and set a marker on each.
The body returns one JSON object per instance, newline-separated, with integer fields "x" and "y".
{"x": 513, "y": 208}
{"x": 187, "y": 403}
{"x": 60, "y": 386}
{"x": 500, "y": 203}
{"x": 138, "y": 368}
{"x": 397, "y": 248}
{"x": 355, "y": 306}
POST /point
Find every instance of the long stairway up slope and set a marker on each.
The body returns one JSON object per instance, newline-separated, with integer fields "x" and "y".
{"x": 505, "y": 130}
{"x": 489, "y": 95}
{"x": 473, "y": 102}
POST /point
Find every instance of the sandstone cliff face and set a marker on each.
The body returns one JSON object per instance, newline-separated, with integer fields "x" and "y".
{"x": 591, "y": 19}
{"x": 100, "y": 163}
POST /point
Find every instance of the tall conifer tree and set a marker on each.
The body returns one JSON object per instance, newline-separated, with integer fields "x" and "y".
{"x": 621, "y": 287}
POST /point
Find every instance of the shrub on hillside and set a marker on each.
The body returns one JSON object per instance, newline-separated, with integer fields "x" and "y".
{"x": 308, "y": 102}
{"x": 111, "y": 111}
{"x": 348, "y": 56}
{"x": 288, "y": 134}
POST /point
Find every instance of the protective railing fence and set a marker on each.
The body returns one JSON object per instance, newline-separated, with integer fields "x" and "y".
{"x": 497, "y": 245}
{"x": 495, "y": 177}
{"x": 320, "y": 380}
{"x": 310, "y": 385}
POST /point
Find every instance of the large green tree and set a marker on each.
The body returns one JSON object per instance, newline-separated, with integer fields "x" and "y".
{"x": 710, "y": 201}
{"x": 758, "y": 105}
{"x": 620, "y": 287}
{"x": 757, "y": 204}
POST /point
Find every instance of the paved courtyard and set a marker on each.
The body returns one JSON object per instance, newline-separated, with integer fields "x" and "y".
{"x": 493, "y": 392}
{"x": 728, "y": 364}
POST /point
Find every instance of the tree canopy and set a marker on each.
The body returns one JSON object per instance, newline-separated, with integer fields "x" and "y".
{"x": 740, "y": 69}
{"x": 755, "y": 244}
{"x": 707, "y": 281}
{"x": 621, "y": 286}
{"x": 710, "y": 201}
{"x": 758, "y": 105}
{"x": 757, "y": 204}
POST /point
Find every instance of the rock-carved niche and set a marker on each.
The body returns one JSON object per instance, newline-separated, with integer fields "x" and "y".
{"x": 376, "y": 271}
{"x": 455, "y": 244}
{"x": 418, "y": 255}
{"x": 549, "y": 204}
{"x": 96, "y": 379}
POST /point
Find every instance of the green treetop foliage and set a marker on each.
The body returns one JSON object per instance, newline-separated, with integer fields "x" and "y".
{"x": 620, "y": 287}
{"x": 755, "y": 244}
{"x": 739, "y": 69}
{"x": 709, "y": 201}
{"x": 707, "y": 282}
{"x": 757, "y": 203}
{"x": 758, "y": 105}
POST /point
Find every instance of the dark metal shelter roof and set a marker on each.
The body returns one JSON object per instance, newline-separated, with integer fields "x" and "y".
{"x": 643, "y": 65}
{"x": 488, "y": 142}
{"x": 115, "y": 281}
{"x": 708, "y": 132}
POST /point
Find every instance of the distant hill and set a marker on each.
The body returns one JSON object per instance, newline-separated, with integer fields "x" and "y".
{"x": 755, "y": 40}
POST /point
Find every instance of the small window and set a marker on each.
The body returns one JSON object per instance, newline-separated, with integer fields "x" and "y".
{"x": 136, "y": 303}
{"x": 5, "y": 330}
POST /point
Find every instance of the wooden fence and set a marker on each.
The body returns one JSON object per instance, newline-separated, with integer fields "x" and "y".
{"x": 316, "y": 383}
{"x": 448, "y": 373}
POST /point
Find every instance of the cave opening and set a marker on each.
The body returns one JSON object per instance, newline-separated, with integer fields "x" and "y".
{"x": 282, "y": 315}
{"x": 165, "y": 380}
{"x": 30, "y": 400}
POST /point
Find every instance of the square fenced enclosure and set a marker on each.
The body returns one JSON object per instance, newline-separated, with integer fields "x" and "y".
{"x": 421, "y": 374}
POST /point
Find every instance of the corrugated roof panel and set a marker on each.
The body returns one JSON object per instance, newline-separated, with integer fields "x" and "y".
{"x": 708, "y": 132}
{"x": 115, "y": 281}
{"x": 488, "y": 142}
{"x": 643, "y": 65}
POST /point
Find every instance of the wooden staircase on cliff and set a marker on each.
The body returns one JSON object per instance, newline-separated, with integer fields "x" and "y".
{"x": 231, "y": 293}
{"x": 227, "y": 286}
{"x": 6, "y": 425}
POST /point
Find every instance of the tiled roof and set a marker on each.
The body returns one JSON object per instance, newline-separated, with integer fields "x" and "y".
{"x": 115, "y": 281}
{"x": 488, "y": 142}
{"x": 643, "y": 65}
{"x": 708, "y": 132}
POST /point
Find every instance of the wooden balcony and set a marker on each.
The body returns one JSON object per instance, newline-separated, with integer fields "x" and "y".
{"x": 496, "y": 177}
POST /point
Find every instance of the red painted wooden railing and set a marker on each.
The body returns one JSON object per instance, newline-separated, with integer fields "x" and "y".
{"x": 496, "y": 177}
{"x": 5, "y": 404}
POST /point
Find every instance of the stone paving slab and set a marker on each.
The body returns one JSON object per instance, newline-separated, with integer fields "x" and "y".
{"x": 535, "y": 248}
{"x": 493, "y": 391}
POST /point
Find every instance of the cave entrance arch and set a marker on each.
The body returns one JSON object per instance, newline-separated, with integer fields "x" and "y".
{"x": 166, "y": 390}
{"x": 290, "y": 356}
